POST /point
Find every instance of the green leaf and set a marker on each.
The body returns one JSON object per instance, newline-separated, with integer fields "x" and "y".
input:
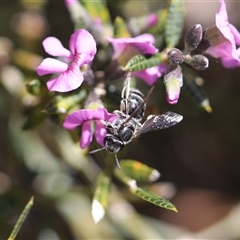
{"x": 124, "y": 178}
{"x": 62, "y": 103}
{"x": 139, "y": 171}
{"x": 97, "y": 9}
{"x": 79, "y": 15}
{"x": 120, "y": 28}
{"x": 101, "y": 196}
{"x": 21, "y": 219}
{"x": 34, "y": 119}
{"x": 143, "y": 193}
{"x": 144, "y": 23}
{"x": 192, "y": 85}
{"x": 160, "y": 26}
{"x": 153, "y": 198}
{"x": 175, "y": 23}
{"x": 139, "y": 62}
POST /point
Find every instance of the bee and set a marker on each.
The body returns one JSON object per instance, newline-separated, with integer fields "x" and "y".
{"x": 127, "y": 125}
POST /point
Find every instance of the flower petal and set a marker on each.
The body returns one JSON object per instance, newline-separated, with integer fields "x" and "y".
{"x": 146, "y": 37}
{"x": 142, "y": 44}
{"x": 150, "y": 75}
{"x": 79, "y": 117}
{"x": 86, "y": 135}
{"x": 70, "y": 3}
{"x": 83, "y": 44}
{"x": 100, "y": 132}
{"x": 51, "y": 66}
{"x": 226, "y": 48}
{"x": 173, "y": 82}
{"x": 236, "y": 34}
{"x": 223, "y": 25}
{"x": 55, "y": 48}
{"x": 173, "y": 87}
{"x": 152, "y": 20}
{"x": 67, "y": 81}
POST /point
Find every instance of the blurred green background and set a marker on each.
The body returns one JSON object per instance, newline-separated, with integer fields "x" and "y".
{"x": 199, "y": 159}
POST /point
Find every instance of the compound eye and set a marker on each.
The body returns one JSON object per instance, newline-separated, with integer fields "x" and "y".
{"x": 120, "y": 145}
{"x": 112, "y": 144}
{"x": 108, "y": 138}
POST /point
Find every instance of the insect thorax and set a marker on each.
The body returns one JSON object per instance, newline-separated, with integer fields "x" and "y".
{"x": 124, "y": 132}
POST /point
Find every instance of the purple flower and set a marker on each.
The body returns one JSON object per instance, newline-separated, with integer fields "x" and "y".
{"x": 150, "y": 75}
{"x": 70, "y": 2}
{"x": 82, "y": 50}
{"x": 126, "y": 48}
{"x": 173, "y": 81}
{"x": 223, "y": 38}
{"x": 89, "y": 118}
{"x": 152, "y": 19}
{"x": 138, "y": 25}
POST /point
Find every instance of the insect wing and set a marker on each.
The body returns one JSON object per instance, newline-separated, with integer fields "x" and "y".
{"x": 157, "y": 122}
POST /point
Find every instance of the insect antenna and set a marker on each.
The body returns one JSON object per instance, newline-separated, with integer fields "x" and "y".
{"x": 97, "y": 150}
{"x": 100, "y": 149}
{"x": 116, "y": 158}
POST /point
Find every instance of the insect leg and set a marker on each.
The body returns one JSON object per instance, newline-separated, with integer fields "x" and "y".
{"x": 125, "y": 94}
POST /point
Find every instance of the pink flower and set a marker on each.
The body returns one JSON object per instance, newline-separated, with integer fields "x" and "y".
{"x": 223, "y": 39}
{"x": 173, "y": 81}
{"x": 152, "y": 19}
{"x": 89, "y": 118}
{"x": 138, "y": 25}
{"x": 126, "y": 48}
{"x": 150, "y": 75}
{"x": 70, "y": 3}
{"x": 82, "y": 50}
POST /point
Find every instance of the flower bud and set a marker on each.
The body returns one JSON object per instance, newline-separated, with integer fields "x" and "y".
{"x": 173, "y": 82}
{"x": 175, "y": 56}
{"x": 138, "y": 25}
{"x": 61, "y": 104}
{"x": 199, "y": 62}
{"x": 34, "y": 87}
{"x": 193, "y": 37}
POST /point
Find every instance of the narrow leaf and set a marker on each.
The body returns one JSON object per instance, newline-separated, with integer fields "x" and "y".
{"x": 142, "y": 24}
{"x": 100, "y": 23}
{"x": 21, "y": 219}
{"x": 120, "y": 28}
{"x": 160, "y": 26}
{"x": 61, "y": 104}
{"x": 101, "y": 196}
{"x": 34, "y": 119}
{"x": 192, "y": 86}
{"x": 78, "y": 14}
{"x": 139, "y": 171}
{"x": 154, "y": 198}
{"x": 97, "y": 10}
{"x": 139, "y": 62}
{"x": 175, "y": 22}
{"x": 124, "y": 178}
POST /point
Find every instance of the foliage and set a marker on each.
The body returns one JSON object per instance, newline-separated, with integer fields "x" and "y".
{"x": 91, "y": 90}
